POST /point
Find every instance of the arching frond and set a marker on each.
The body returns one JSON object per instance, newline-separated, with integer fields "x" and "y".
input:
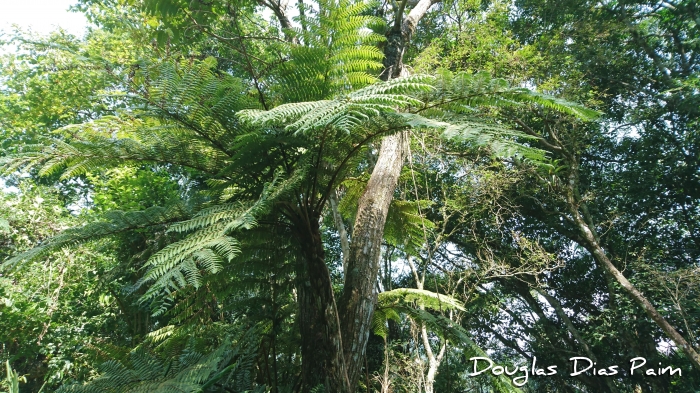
{"x": 184, "y": 118}
{"x": 464, "y": 92}
{"x": 347, "y": 111}
{"x": 114, "y": 222}
{"x": 571, "y": 108}
{"x": 419, "y": 297}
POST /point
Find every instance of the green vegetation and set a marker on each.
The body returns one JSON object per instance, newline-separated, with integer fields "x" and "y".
{"x": 350, "y": 196}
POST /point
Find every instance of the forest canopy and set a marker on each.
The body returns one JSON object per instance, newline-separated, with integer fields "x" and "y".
{"x": 352, "y": 196}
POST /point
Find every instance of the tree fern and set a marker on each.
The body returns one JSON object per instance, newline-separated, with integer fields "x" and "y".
{"x": 185, "y": 119}
{"x": 275, "y": 167}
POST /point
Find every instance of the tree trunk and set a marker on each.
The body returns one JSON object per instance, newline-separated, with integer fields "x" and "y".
{"x": 359, "y": 297}
{"x": 321, "y": 342}
{"x": 603, "y": 261}
{"x": 588, "y": 239}
{"x": 333, "y": 344}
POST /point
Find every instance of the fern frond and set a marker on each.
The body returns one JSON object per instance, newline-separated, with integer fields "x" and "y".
{"x": 574, "y": 109}
{"x": 463, "y": 91}
{"x": 346, "y": 111}
{"x": 357, "y": 58}
{"x": 212, "y": 215}
{"x": 405, "y": 226}
{"x": 114, "y": 222}
{"x": 94, "y": 151}
{"x": 181, "y": 264}
{"x": 188, "y": 371}
{"x": 420, "y": 297}
{"x": 502, "y": 141}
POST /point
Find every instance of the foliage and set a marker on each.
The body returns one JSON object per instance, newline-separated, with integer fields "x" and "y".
{"x": 187, "y": 371}
{"x": 171, "y": 173}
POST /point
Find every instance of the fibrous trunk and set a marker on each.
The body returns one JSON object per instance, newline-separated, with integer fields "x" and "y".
{"x": 321, "y": 343}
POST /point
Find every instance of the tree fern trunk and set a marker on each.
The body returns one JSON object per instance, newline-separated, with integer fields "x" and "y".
{"x": 321, "y": 344}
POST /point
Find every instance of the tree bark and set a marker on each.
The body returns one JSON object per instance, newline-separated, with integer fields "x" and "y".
{"x": 279, "y": 8}
{"x": 359, "y": 296}
{"x": 400, "y": 35}
{"x": 603, "y": 261}
{"x": 321, "y": 343}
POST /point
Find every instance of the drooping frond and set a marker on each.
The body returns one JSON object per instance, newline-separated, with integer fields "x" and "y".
{"x": 405, "y": 226}
{"x": 502, "y": 141}
{"x": 347, "y": 111}
{"x": 114, "y": 222}
{"x": 527, "y": 96}
{"x": 196, "y": 97}
{"x": 184, "y": 117}
{"x": 178, "y": 264}
{"x": 94, "y": 152}
{"x": 409, "y": 301}
{"x": 464, "y": 92}
{"x": 179, "y": 269}
{"x": 267, "y": 254}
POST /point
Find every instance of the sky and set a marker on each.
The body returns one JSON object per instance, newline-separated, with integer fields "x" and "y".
{"x": 41, "y": 16}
